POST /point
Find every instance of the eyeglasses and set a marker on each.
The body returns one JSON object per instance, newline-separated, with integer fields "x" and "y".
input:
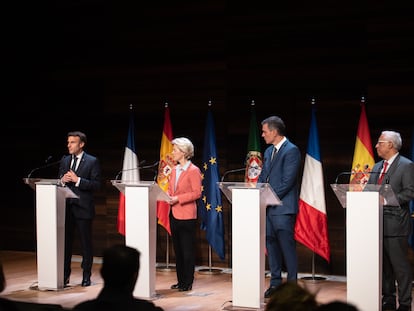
{"x": 383, "y": 141}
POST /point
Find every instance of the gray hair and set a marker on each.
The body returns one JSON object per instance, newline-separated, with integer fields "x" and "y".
{"x": 185, "y": 145}
{"x": 393, "y": 137}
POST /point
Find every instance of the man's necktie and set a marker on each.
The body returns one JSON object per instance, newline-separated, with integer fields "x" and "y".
{"x": 75, "y": 159}
{"x": 273, "y": 153}
{"x": 384, "y": 170}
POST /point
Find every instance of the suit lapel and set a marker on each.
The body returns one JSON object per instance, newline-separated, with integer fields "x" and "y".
{"x": 272, "y": 162}
{"x": 393, "y": 166}
{"x": 81, "y": 163}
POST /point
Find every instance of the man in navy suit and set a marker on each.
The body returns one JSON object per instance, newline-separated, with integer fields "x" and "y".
{"x": 398, "y": 172}
{"x": 280, "y": 169}
{"x": 80, "y": 172}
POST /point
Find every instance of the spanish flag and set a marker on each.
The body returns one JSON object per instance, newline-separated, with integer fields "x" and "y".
{"x": 363, "y": 155}
{"x": 165, "y": 167}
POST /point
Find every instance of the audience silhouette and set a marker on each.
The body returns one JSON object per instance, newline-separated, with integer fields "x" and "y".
{"x": 119, "y": 271}
{"x": 293, "y": 297}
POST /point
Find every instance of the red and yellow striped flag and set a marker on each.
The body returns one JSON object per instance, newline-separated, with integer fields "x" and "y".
{"x": 363, "y": 154}
{"x": 165, "y": 167}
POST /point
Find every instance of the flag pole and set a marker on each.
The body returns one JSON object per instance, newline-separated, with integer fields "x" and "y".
{"x": 210, "y": 269}
{"x": 313, "y": 278}
{"x": 167, "y": 267}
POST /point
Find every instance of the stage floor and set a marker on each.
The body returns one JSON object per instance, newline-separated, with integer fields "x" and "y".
{"x": 211, "y": 292}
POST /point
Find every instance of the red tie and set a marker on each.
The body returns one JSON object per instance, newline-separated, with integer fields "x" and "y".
{"x": 384, "y": 169}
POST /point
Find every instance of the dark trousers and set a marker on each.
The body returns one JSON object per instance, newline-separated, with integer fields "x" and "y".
{"x": 183, "y": 236}
{"x": 84, "y": 227}
{"x": 396, "y": 267}
{"x": 281, "y": 247}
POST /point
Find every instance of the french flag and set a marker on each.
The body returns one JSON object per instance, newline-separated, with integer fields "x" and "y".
{"x": 130, "y": 171}
{"x": 311, "y": 228}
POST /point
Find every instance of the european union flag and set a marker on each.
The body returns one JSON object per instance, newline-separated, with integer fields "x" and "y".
{"x": 211, "y": 210}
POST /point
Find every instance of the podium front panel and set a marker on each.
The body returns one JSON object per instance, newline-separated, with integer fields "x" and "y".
{"x": 140, "y": 233}
{"x": 50, "y": 230}
{"x": 364, "y": 250}
{"x": 248, "y": 248}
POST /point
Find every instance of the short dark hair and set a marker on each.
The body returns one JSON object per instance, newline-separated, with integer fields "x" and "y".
{"x": 275, "y": 123}
{"x": 120, "y": 266}
{"x": 81, "y": 135}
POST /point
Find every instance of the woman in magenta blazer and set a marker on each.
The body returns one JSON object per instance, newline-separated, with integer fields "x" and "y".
{"x": 184, "y": 188}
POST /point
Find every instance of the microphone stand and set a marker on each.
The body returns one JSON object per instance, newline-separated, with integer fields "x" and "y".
{"x": 42, "y": 167}
{"x": 232, "y": 171}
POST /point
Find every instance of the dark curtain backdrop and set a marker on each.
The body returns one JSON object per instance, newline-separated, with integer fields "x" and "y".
{"x": 78, "y": 65}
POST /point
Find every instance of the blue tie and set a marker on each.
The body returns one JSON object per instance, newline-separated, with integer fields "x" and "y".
{"x": 274, "y": 151}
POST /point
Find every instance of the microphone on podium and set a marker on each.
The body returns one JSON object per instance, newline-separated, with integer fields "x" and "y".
{"x": 130, "y": 169}
{"x": 343, "y": 174}
{"x": 153, "y": 166}
{"x": 386, "y": 176}
{"x": 45, "y": 165}
{"x": 232, "y": 171}
{"x": 150, "y": 166}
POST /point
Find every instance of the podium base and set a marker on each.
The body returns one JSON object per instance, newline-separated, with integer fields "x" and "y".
{"x": 36, "y": 287}
{"x": 210, "y": 271}
{"x": 166, "y": 268}
{"x": 313, "y": 279}
{"x": 236, "y": 308}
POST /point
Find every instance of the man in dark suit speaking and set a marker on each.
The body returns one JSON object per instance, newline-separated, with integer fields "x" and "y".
{"x": 397, "y": 171}
{"x": 81, "y": 173}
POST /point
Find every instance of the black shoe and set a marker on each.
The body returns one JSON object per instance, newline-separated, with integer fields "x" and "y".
{"x": 386, "y": 306}
{"x": 86, "y": 282}
{"x": 404, "y": 308}
{"x": 185, "y": 288}
{"x": 175, "y": 286}
{"x": 269, "y": 291}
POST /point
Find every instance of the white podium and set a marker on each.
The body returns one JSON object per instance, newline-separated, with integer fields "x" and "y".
{"x": 50, "y": 231}
{"x": 141, "y": 228}
{"x": 249, "y": 203}
{"x": 364, "y": 239}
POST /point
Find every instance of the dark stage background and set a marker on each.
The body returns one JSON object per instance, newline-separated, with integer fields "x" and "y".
{"x": 78, "y": 65}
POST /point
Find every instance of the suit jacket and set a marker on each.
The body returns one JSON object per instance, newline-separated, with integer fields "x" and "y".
{"x": 282, "y": 175}
{"x": 90, "y": 173}
{"x": 400, "y": 175}
{"x": 188, "y": 190}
